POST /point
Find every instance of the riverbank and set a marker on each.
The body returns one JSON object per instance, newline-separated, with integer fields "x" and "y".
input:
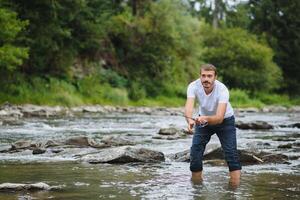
{"x": 8, "y": 110}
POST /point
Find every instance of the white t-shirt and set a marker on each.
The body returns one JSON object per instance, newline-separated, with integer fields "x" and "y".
{"x": 208, "y": 103}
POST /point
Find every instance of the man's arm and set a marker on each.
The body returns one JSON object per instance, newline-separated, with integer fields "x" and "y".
{"x": 188, "y": 112}
{"x": 215, "y": 119}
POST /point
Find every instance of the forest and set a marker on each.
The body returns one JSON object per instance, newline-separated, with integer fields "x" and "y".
{"x": 146, "y": 52}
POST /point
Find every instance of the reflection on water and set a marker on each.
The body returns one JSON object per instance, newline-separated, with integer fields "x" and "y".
{"x": 168, "y": 180}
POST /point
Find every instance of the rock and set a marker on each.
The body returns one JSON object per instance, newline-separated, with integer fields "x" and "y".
{"x": 78, "y": 141}
{"x": 21, "y": 144}
{"x": 274, "y": 109}
{"x": 56, "y": 150}
{"x": 249, "y": 158}
{"x": 282, "y": 139}
{"x": 184, "y": 156}
{"x": 170, "y": 134}
{"x": 41, "y": 111}
{"x": 247, "y": 110}
{"x": 296, "y": 125}
{"x": 38, "y": 151}
{"x": 169, "y": 131}
{"x": 285, "y": 146}
{"x": 19, "y": 186}
{"x": 116, "y": 141}
{"x": 254, "y": 125}
{"x": 163, "y": 137}
{"x": 294, "y": 109}
{"x": 52, "y": 143}
{"x": 14, "y": 113}
{"x": 125, "y": 154}
{"x": 246, "y": 157}
{"x": 12, "y": 122}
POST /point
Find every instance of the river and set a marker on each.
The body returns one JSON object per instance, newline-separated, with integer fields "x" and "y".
{"x": 166, "y": 180}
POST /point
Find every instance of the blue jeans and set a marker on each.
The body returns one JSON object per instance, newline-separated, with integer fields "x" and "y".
{"x": 226, "y": 133}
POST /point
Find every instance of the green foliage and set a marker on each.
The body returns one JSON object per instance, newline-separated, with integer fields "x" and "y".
{"x": 59, "y": 31}
{"x": 136, "y": 91}
{"x": 11, "y": 55}
{"x": 161, "y": 47}
{"x": 241, "y": 98}
{"x": 274, "y": 99}
{"x": 279, "y": 21}
{"x": 242, "y": 60}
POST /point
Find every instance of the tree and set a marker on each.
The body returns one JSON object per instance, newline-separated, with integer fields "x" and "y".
{"x": 279, "y": 22}
{"x": 60, "y": 31}
{"x": 242, "y": 60}
{"x": 12, "y": 55}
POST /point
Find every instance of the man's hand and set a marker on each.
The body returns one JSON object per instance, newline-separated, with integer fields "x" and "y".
{"x": 201, "y": 120}
{"x": 191, "y": 124}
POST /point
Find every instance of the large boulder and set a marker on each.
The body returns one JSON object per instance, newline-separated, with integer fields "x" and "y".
{"x": 250, "y": 158}
{"x": 184, "y": 156}
{"x": 215, "y": 155}
{"x": 260, "y": 125}
{"x": 125, "y": 154}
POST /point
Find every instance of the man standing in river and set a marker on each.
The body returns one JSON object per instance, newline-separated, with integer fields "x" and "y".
{"x": 215, "y": 116}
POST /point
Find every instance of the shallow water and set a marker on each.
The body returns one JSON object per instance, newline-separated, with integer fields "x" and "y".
{"x": 168, "y": 180}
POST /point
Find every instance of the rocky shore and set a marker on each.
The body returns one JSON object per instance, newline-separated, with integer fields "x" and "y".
{"x": 9, "y": 111}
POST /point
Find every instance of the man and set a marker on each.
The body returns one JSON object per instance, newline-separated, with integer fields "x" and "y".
{"x": 215, "y": 116}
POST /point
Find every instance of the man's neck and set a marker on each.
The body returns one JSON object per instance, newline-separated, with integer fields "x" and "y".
{"x": 208, "y": 90}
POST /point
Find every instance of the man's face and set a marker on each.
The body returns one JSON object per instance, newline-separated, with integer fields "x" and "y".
{"x": 207, "y": 78}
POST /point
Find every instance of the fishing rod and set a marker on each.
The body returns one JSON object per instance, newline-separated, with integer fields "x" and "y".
{"x": 201, "y": 124}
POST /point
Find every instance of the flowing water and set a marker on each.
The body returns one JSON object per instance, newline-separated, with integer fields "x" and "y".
{"x": 167, "y": 180}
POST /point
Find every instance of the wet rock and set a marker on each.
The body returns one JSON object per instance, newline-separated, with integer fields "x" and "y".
{"x": 41, "y": 111}
{"x": 164, "y": 137}
{"x": 12, "y": 122}
{"x": 170, "y": 134}
{"x": 38, "y": 151}
{"x": 81, "y": 141}
{"x": 184, "y": 156}
{"x": 52, "y": 143}
{"x": 169, "y": 131}
{"x": 246, "y": 157}
{"x": 8, "y": 110}
{"x": 125, "y": 154}
{"x": 21, "y": 144}
{"x": 22, "y": 187}
{"x": 296, "y": 144}
{"x": 285, "y": 146}
{"x": 116, "y": 141}
{"x": 56, "y": 150}
{"x": 274, "y": 109}
{"x": 282, "y": 139}
{"x": 257, "y": 125}
{"x": 296, "y": 125}
{"x": 294, "y": 109}
{"x": 247, "y": 110}
{"x": 250, "y": 158}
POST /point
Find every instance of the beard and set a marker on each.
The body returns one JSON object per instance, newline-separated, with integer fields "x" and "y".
{"x": 206, "y": 84}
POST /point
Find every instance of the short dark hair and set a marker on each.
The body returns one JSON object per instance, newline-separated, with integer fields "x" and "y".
{"x": 208, "y": 67}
